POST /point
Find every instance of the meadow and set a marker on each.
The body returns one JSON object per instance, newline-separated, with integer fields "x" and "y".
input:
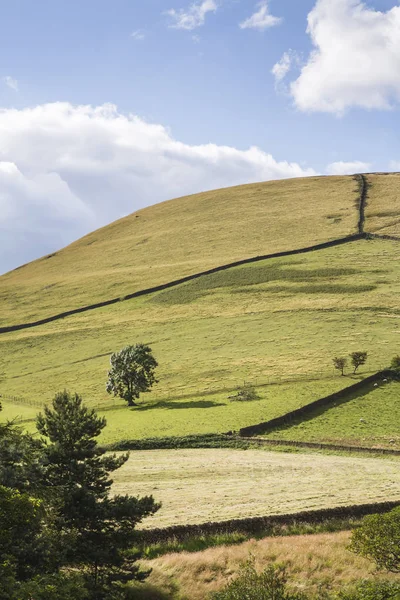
{"x": 370, "y": 420}
{"x": 276, "y": 324}
{"x": 198, "y": 486}
{"x": 315, "y": 564}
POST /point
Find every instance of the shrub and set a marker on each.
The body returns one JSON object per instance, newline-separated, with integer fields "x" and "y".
{"x": 270, "y": 584}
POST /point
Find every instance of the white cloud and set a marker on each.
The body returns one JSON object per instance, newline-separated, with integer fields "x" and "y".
{"x": 11, "y": 83}
{"x": 356, "y": 60}
{"x": 138, "y": 35}
{"x": 394, "y": 165}
{"x": 284, "y": 65}
{"x": 261, "y": 19}
{"x": 348, "y": 168}
{"x": 192, "y": 17}
{"x": 66, "y": 170}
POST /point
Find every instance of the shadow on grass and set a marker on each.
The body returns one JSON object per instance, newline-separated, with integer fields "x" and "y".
{"x": 171, "y": 405}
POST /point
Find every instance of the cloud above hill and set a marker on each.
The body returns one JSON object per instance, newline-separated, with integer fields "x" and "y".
{"x": 65, "y": 170}
{"x": 355, "y": 61}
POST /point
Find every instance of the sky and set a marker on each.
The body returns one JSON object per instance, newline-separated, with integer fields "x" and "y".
{"x": 106, "y": 108}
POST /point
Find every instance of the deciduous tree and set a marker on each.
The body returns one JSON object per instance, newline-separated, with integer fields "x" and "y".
{"x": 358, "y": 359}
{"x": 132, "y": 372}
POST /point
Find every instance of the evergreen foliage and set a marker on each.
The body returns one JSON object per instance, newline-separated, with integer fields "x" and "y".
{"x": 97, "y": 530}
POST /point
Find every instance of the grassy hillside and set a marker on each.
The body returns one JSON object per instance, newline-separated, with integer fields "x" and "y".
{"x": 181, "y": 237}
{"x": 383, "y": 204}
{"x": 276, "y": 324}
{"x": 372, "y": 419}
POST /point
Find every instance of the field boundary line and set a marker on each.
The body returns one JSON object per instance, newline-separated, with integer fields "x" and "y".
{"x": 363, "y": 201}
{"x": 320, "y": 446}
{"x": 257, "y": 524}
{"x": 176, "y": 282}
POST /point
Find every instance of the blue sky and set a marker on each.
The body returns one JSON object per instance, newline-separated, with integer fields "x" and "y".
{"x": 109, "y": 107}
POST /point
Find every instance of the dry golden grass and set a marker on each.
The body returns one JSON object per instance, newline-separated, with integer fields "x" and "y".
{"x": 197, "y": 486}
{"x": 176, "y": 238}
{"x": 383, "y": 204}
{"x": 315, "y": 563}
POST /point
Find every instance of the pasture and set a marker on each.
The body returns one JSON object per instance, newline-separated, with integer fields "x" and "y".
{"x": 197, "y": 486}
{"x": 276, "y": 324}
{"x": 372, "y": 419}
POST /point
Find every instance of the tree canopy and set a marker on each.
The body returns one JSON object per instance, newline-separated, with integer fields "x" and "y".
{"x": 132, "y": 372}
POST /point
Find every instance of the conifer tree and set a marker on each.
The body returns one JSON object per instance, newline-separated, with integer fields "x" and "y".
{"x": 98, "y": 529}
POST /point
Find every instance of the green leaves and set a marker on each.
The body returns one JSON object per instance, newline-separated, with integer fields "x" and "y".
{"x": 132, "y": 372}
{"x": 378, "y": 538}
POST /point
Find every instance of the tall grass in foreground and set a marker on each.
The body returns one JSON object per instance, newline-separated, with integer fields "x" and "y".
{"x": 316, "y": 564}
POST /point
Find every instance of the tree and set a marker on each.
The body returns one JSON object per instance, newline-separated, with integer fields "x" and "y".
{"x": 395, "y": 364}
{"x": 373, "y": 590}
{"x": 132, "y": 372}
{"x": 378, "y": 538}
{"x": 250, "y": 585}
{"x": 358, "y": 359}
{"x": 97, "y": 530}
{"x": 340, "y": 363}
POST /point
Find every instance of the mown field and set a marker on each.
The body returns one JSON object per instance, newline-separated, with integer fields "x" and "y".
{"x": 198, "y": 486}
{"x": 371, "y": 419}
{"x": 276, "y": 324}
{"x": 177, "y": 238}
{"x": 315, "y": 563}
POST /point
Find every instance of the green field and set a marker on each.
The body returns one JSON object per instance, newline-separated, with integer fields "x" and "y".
{"x": 276, "y": 324}
{"x": 372, "y": 420}
{"x": 198, "y": 486}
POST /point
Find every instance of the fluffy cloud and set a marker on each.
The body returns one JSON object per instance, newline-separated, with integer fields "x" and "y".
{"x": 261, "y": 19}
{"x": 11, "y": 83}
{"x": 192, "y": 17}
{"x": 356, "y": 60}
{"x": 348, "y": 168}
{"x": 65, "y": 170}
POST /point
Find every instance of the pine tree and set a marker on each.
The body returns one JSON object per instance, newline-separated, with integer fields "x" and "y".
{"x": 98, "y": 529}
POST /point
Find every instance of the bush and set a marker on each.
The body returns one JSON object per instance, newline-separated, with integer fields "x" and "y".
{"x": 245, "y": 393}
{"x": 373, "y": 590}
{"x": 270, "y": 584}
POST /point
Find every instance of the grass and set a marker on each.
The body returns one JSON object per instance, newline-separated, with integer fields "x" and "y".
{"x": 198, "y": 486}
{"x": 197, "y": 543}
{"x": 315, "y": 563}
{"x": 280, "y": 342}
{"x": 383, "y": 211}
{"x": 372, "y": 419}
{"x": 178, "y": 238}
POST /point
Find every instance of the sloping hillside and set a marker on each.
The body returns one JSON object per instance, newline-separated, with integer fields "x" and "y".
{"x": 180, "y": 237}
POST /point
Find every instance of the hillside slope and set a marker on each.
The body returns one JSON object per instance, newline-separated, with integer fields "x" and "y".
{"x": 180, "y": 237}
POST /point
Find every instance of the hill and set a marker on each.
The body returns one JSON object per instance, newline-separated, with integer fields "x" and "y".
{"x": 276, "y": 323}
{"x": 180, "y": 237}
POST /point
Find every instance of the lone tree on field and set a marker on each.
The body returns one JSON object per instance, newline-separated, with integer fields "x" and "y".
{"x": 358, "y": 359}
{"x": 340, "y": 363}
{"x": 132, "y": 372}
